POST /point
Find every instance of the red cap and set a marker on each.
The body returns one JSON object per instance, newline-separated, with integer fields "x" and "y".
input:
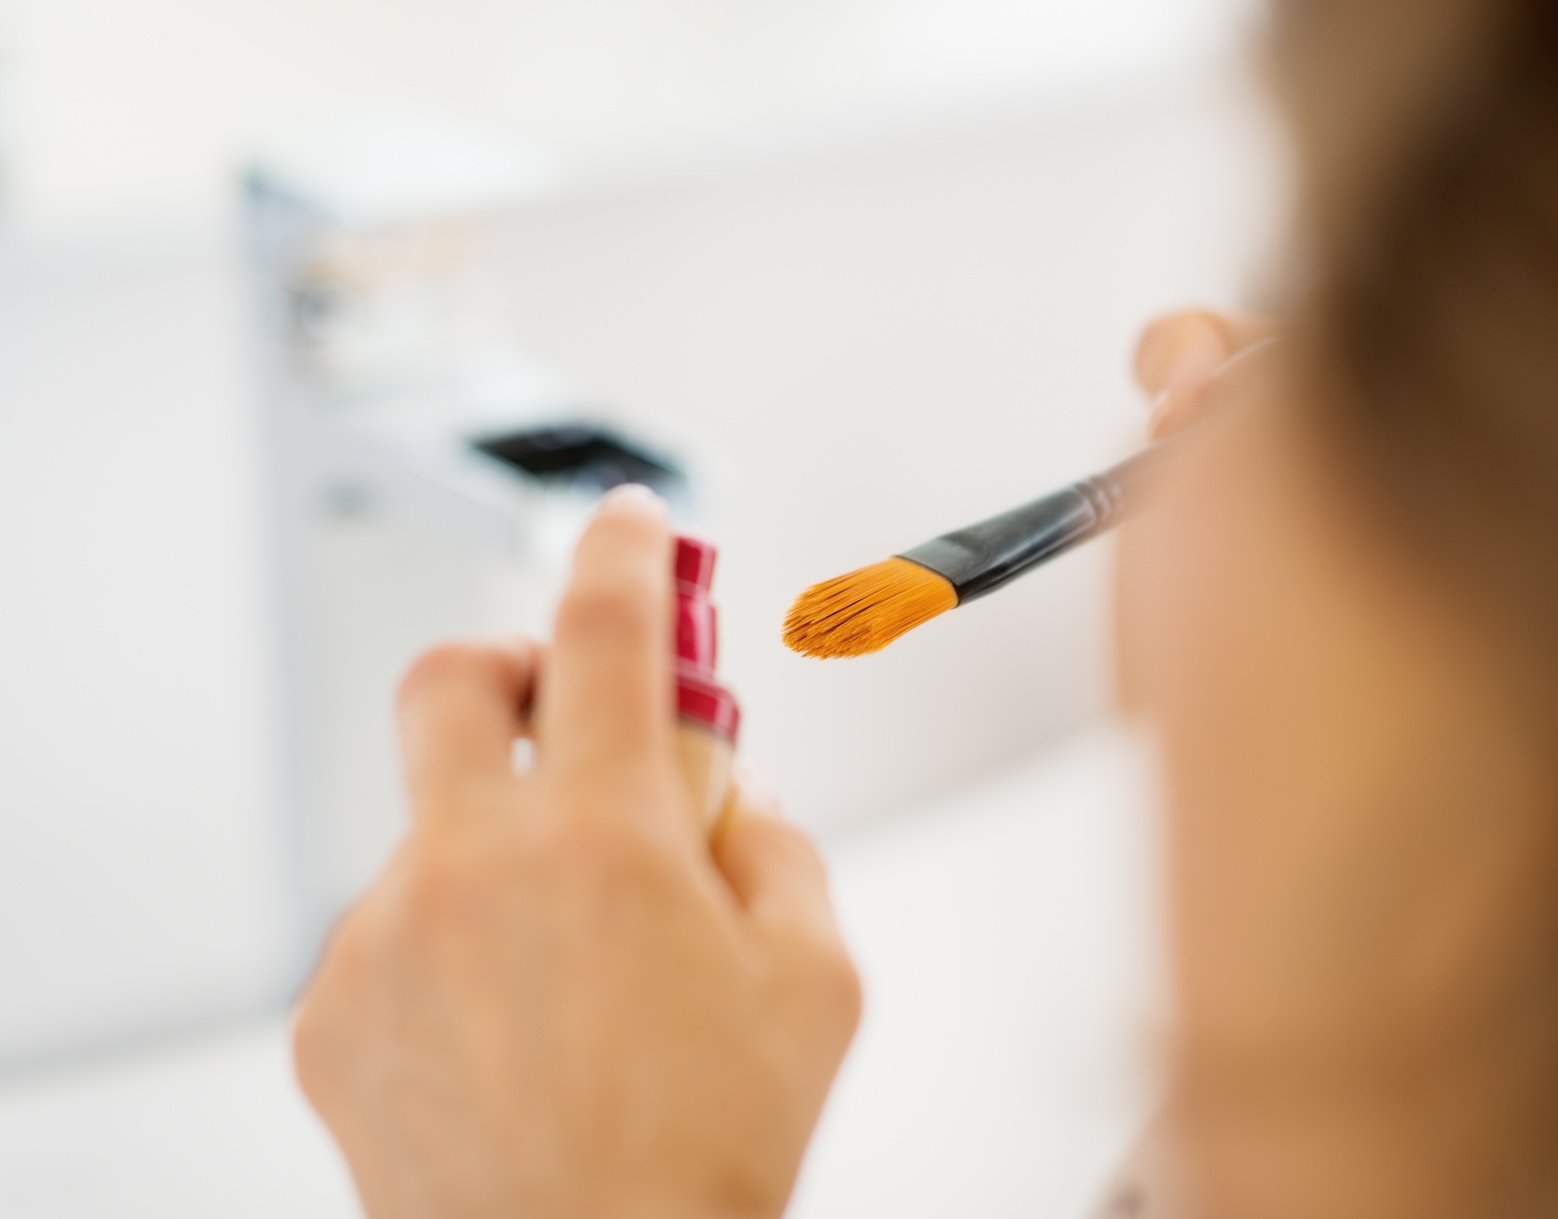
{"x": 707, "y": 703}
{"x": 699, "y": 697}
{"x": 695, "y": 563}
{"x": 697, "y": 637}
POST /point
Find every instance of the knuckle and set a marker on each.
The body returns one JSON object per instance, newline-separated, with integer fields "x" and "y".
{"x": 786, "y": 840}
{"x": 583, "y": 846}
{"x": 333, "y": 1000}
{"x": 314, "y": 1051}
{"x": 839, "y": 988}
{"x": 348, "y": 956}
{"x": 439, "y": 665}
{"x": 622, "y": 606}
{"x": 436, "y": 891}
{"x": 798, "y": 842}
{"x": 819, "y": 979}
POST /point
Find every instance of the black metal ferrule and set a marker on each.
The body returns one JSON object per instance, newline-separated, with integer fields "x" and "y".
{"x": 983, "y": 557}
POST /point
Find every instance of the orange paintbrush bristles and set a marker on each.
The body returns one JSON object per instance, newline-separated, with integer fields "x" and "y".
{"x": 867, "y": 609}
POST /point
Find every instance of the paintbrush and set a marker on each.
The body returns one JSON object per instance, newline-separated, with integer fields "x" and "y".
{"x": 866, "y": 610}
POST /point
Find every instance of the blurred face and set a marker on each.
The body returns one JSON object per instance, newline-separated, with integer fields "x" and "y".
{"x": 1334, "y": 754}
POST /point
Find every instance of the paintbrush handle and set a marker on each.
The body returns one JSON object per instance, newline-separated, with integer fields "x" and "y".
{"x": 983, "y": 557}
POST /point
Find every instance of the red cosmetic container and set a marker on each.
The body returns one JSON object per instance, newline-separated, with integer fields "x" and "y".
{"x": 710, "y": 716}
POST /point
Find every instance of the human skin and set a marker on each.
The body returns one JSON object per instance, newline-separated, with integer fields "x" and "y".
{"x": 1358, "y": 824}
{"x": 557, "y": 1000}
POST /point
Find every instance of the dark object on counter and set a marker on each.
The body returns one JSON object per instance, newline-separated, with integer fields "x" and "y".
{"x": 580, "y": 453}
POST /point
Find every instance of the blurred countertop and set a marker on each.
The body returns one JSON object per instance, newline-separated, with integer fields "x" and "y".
{"x": 1005, "y": 933}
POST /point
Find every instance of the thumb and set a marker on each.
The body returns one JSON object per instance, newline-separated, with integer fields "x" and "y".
{"x": 779, "y": 880}
{"x": 773, "y": 869}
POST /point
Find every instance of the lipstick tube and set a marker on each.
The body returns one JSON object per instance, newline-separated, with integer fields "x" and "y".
{"x": 710, "y": 717}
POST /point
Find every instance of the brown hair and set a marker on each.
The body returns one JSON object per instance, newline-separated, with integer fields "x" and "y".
{"x": 1427, "y": 134}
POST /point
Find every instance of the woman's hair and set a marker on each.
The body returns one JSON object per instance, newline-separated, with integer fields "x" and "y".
{"x": 1427, "y": 138}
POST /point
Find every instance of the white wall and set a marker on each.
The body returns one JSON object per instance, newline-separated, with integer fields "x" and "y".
{"x": 144, "y": 105}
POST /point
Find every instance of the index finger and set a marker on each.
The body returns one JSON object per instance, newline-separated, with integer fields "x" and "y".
{"x": 461, "y": 708}
{"x": 1182, "y": 357}
{"x": 607, "y": 699}
{"x": 1190, "y": 346}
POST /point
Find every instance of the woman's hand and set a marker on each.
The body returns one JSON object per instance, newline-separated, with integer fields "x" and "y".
{"x": 1180, "y": 355}
{"x": 555, "y": 1001}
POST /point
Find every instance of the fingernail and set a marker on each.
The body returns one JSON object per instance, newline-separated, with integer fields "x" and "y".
{"x": 635, "y": 496}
